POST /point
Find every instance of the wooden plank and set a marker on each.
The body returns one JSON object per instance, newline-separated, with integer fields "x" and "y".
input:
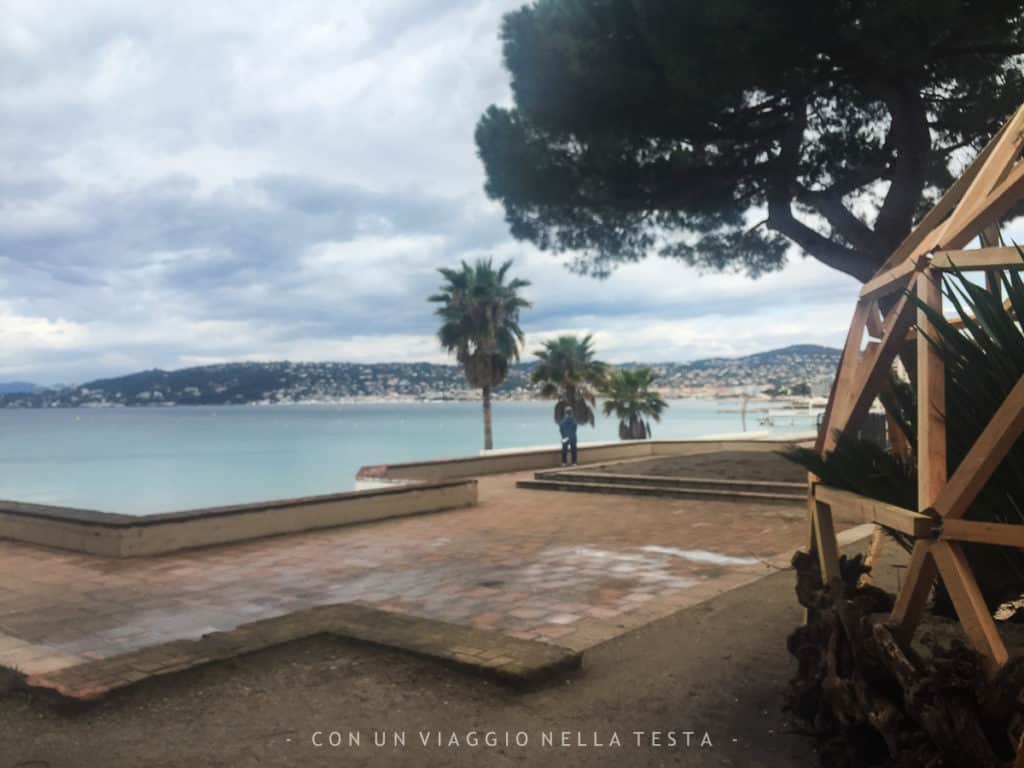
{"x": 1000, "y": 534}
{"x": 944, "y": 207}
{"x": 987, "y": 211}
{"x": 991, "y": 238}
{"x": 931, "y": 397}
{"x": 828, "y": 547}
{"x": 913, "y": 597}
{"x": 991, "y": 173}
{"x": 1004, "y": 257}
{"x": 985, "y": 455}
{"x": 872, "y": 375}
{"x": 875, "y": 322}
{"x": 873, "y": 511}
{"x": 895, "y": 279}
{"x": 970, "y": 605}
{"x": 846, "y": 376}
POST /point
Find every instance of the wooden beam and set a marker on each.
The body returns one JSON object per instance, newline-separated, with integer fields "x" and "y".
{"x": 875, "y": 322}
{"x": 931, "y": 397}
{"x": 978, "y": 258}
{"x": 828, "y": 546}
{"x": 991, "y": 238}
{"x": 846, "y": 376}
{"x": 947, "y": 203}
{"x": 873, "y": 373}
{"x": 895, "y": 279}
{"x": 994, "y": 170}
{"x": 987, "y": 211}
{"x": 913, "y": 597}
{"x": 970, "y": 605}
{"x": 985, "y": 455}
{"x": 873, "y": 511}
{"x": 1000, "y": 534}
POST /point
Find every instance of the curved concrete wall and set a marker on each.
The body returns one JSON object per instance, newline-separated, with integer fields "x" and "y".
{"x": 113, "y": 535}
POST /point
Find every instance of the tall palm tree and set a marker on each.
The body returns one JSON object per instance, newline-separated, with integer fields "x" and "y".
{"x": 569, "y": 373}
{"x": 629, "y": 396}
{"x": 479, "y": 314}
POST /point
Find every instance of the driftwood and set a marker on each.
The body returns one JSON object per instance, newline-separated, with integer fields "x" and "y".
{"x": 873, "y": 702}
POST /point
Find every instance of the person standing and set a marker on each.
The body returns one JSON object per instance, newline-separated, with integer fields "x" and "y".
{"x": 567, "y": 428}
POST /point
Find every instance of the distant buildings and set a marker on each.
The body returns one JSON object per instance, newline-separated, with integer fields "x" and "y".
{"x": 778, "y": 371}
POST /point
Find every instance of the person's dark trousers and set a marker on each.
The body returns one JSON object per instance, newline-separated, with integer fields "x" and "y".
{"x": 565, "y": 450}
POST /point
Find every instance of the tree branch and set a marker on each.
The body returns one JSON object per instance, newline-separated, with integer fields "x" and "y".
{"x": 780, "y": 193}
{"x": 829, "y": 203}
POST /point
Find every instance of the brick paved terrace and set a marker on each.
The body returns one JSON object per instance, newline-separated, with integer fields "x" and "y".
{"x": 572, "y": 569}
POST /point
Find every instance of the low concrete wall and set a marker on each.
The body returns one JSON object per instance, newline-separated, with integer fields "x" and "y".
{"x": 114, "y": 535}
{"x": 547, "y": 458}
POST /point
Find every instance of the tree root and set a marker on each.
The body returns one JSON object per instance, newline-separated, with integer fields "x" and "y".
{"x": 872, "y": 702}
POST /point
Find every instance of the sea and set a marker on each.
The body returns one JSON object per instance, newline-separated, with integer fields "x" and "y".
{"x": 143, "y": 461}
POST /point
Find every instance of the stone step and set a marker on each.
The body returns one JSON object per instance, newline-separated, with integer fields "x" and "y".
{"x": 697, "y": 483}
{"x": 671, "y": 491}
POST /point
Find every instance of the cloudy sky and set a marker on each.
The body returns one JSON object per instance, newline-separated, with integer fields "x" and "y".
{"x": 183, "y": 184}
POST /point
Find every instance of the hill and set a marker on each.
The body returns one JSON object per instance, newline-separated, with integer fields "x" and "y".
{"x": 287, "y": 382}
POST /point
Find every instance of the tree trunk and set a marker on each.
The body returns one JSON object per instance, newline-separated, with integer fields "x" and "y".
{"x": 488, "y": 433}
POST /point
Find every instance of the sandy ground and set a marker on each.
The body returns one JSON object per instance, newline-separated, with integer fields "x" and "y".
{"x": 726, "y": 465}
{"x": 720, "y": 667}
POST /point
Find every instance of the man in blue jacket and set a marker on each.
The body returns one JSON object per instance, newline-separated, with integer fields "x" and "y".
{"x": 567, "y": 427}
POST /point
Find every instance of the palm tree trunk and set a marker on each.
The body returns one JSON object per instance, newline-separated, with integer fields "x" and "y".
{"x": 488, "y": 434}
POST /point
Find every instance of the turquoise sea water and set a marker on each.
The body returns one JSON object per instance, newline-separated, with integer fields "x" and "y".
{"x": 146, "y": 460}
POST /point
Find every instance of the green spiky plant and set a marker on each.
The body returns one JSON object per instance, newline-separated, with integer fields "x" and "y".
{"x": 983, "y": 361}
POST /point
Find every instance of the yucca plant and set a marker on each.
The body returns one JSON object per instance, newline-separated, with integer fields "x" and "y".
{"x": 983, "y": 360}
{"x": 984, "y": 357}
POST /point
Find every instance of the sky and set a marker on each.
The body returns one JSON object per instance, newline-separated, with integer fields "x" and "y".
{"x": 196, "y": 182}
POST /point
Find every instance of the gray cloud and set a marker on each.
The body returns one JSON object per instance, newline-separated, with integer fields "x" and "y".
{"x": 195, "y": 181}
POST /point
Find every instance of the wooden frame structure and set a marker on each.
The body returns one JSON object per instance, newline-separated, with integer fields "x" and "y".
{"x": 886, "y": 320}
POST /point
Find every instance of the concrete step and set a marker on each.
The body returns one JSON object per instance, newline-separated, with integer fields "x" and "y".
{"x": 694, "y": 483}
{"x": 670, "y": 491}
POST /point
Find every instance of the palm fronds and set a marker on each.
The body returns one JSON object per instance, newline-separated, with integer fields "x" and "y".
{"x": 479, "y": 314}
{"x": 568, "y": 371}
{"x": 628, "y": 395}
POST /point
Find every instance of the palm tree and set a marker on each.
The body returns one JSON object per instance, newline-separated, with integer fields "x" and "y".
{"x": 629, "y": 396}
{"x": 479, "y": 314}
{"x": 569, "y": 373}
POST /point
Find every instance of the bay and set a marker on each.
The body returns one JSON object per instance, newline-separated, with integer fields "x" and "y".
{"x": 147, "y": 460}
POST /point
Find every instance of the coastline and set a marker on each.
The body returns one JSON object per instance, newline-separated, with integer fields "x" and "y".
{"x": 792, "y": 401}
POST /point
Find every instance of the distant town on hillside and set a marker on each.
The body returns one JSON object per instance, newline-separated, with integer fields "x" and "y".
{"x": 801, "y": 370}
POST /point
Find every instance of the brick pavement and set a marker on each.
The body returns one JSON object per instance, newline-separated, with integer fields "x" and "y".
{"x": 565, "y": 568}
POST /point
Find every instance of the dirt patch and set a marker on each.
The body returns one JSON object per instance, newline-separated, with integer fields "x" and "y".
{"x": 723, "y": 465}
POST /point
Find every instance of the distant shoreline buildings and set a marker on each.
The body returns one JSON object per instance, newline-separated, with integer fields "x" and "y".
{"x": 798, "y": 371}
